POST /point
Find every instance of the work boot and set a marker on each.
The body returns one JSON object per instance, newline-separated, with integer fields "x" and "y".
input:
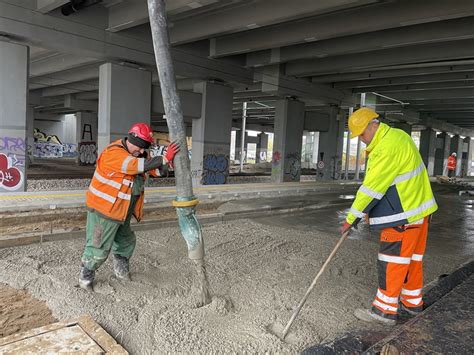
{"x": 413, "y": 311}
{"x": 86, "y": 278}
{"x": 367, "y": 315}
{"x": 121, "y": 267}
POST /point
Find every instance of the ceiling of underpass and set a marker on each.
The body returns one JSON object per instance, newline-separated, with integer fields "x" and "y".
{"x": 415, "y": 56}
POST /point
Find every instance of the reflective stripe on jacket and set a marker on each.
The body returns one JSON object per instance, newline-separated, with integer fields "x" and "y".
{"x": 451, "y": 163}
{"x": 111, "y": 186}
{"x": 396, "y": 189}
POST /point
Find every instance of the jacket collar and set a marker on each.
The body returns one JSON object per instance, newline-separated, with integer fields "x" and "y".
{"x": 381, "y": 132}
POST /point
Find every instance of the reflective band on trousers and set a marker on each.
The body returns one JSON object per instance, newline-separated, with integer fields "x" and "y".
{"x": 411, "y": 292}
{"x": 417, "y": 257}
{"x": 100, "y": 194}
{"x": 386, "y": 298}
{"x": 394, "y": 259}
{"x": 125, "y": 164}
{"x": 107, "y": 181}
{"x": 413, "y": 301}
{"x": 384, "y": 306}
{"x": 409, "y": 175}
{"x": 357, "y": 213}
{"x": 404, "y": 215}
{"x": 371, "y": 193}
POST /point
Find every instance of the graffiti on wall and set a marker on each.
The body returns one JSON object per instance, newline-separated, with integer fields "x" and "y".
{"x": 50, "y": 146}
{"x": 11, "y": 178}
{"x": 42, "y": 137}
{"x": 293, "y": 166}
{"x": 14, "y": 148}
{"x": 87, "y": 153}
{"x": 215, "y": 169}
{"x": 53, "y": 150}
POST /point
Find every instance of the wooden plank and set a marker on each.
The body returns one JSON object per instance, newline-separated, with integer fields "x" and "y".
{"x": 83, "y": 335}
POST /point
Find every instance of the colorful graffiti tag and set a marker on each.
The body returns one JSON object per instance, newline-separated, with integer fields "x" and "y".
{"x": 215, "y": 169}
{"x": 87, "y": 153}
{"x": 293, "y": 166}
{"x": 14, "y": 148}
{"x": 53, "y": 150}
{"x": 11, "y": 178}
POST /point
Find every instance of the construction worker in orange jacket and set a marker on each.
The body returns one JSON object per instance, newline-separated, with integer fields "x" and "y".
{"x": 116, "y": 193}
{"x": 452, "y": 165}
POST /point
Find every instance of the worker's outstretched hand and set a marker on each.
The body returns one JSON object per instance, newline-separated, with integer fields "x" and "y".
{"x": 345, "y": 227}
{"x": 173, "y": 149}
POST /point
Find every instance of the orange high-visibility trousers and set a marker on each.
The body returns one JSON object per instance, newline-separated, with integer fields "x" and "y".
{"x": 400, "y": 268}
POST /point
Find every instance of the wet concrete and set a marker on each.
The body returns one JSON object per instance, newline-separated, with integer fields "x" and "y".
{"x": 451, "y": 238}
{"x": 451, "y": 231}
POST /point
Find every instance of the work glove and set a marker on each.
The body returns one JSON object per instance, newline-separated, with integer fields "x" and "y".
{"x": 153, "y": 163}
{"x": 172, "y": 150}
{"x": 346, "y": 226}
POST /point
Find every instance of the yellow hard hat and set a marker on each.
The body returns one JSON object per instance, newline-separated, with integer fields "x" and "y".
{"x": 360, "y": 119}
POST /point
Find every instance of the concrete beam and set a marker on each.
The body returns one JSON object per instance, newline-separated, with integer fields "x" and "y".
{"x": 416, "y": 87}
{"x": 88, "y": 95}
{"x": 80, "y": 105}
{"x": 45, "y": 6}
{"x": 56, "y": 33}
{"x": 397, "y": 37}
{"x": 87, "y": 72}
{"x": 447, "y": 127}
{"x": 382, "y": 16}
{"x": 382, "y": 74}
{"x": 89, "y": 85}
{"x": 434, "y": 94}
{"x": 415, "y": 79}
{"x": 191, "y": 102}
{"x": 262, "y": 13}
{"x": 275, "y": 83}
{"x": 59, "y": 62}
{"x": 133, "y": 13}
{"x": 387, "y": 57}
{"x": 404, "y": 115}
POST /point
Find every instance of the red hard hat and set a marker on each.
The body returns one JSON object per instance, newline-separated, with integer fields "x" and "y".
{"x": 143, "y": 131}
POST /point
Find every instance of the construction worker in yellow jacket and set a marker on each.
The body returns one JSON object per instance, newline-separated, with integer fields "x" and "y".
{"x": 396, "y": 198}
{"x": 115, "y": 194}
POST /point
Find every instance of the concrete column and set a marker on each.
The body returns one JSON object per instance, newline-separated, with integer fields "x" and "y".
{"x": 442, "y": 154}
{"x": 262, "y": 145}
{"x": 13, "y": 113}
{"x": 466, "y": 158}
{"x": 428, "y": 149}
{"x": 404, "y": 127}
{"x": 330, "y": 147}
{"x": 238, "y": 144}
{"x": 289, "y": 122}
{"x": 30, "y": 139}
{"x": 124, "y": 99}
{"x": 211, "y": 135}
{"x": 470, "y": 152}
{"x": 456, "y": 147}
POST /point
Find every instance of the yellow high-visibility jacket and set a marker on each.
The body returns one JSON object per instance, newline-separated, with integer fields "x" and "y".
{"x": 396, "y": 188}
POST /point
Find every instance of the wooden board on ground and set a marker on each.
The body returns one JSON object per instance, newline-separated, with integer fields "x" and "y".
{"x": 83, "y": 335}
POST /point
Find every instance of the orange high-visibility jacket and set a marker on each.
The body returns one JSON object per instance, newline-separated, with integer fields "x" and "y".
{"x": 110, "y": 190}
{"x": 451, "y": 163}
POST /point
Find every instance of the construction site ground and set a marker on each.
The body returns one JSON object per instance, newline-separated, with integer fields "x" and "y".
{"x": 262, "y": 253}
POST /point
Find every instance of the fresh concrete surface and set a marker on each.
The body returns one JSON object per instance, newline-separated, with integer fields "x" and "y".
{"x": 258, "y": 269}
